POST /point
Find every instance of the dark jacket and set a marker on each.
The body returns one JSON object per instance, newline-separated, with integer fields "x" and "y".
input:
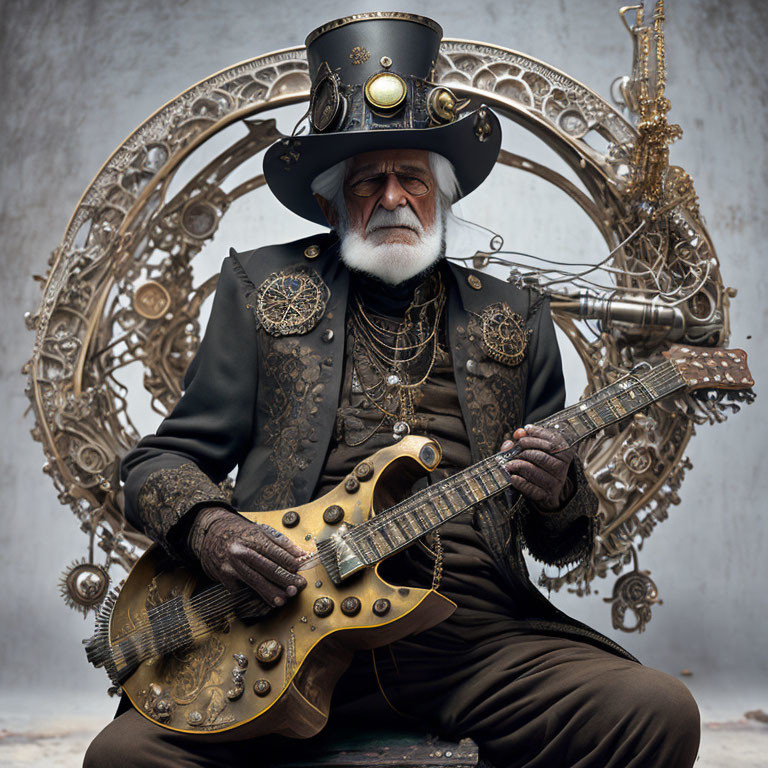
{"x": 266, "y": 403}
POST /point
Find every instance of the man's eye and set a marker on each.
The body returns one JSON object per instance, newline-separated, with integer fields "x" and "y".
{"x": 367, "y": 186}
{"x": 414, "y": 185}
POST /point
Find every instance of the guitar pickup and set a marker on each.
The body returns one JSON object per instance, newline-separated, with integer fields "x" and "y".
{"x": 338, "y": 556}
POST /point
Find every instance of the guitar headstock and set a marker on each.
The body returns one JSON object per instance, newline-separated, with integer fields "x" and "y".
{"x": 711, "y": 367}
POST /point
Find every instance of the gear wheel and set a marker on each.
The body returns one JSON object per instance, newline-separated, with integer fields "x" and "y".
{"x": 84, "y": 585}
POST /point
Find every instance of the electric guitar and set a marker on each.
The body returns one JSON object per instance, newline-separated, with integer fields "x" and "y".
{"x": 176, "y": 645}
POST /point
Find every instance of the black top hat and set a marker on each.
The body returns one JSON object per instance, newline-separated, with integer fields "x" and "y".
{"x": 373, "y": 88}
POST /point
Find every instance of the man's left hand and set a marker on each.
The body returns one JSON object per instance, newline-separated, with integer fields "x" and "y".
{"x": 540, "y": 470}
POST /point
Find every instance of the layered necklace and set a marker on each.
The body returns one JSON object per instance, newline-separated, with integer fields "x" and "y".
{"x": 393, "y": 359}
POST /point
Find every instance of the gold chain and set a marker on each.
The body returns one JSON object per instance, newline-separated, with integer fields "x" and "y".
{"x": 437, "y": 574}
{"x": 386, "y": 359}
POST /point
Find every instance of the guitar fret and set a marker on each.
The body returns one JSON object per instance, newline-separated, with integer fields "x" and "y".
{"x": 384, "y": 533}
{"x": 454, "y": 500}
{"x": 399, "y": 526}
{"x": 442, "y": 507}
{"x": 371, "y": 541}
{"x": 413, "y": 515}
{"x": 473, "y": 485}
{"x": 432, "y": 518}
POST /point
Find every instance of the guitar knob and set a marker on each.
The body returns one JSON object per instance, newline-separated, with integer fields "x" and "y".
{"x": 291, "y": 519}
{"x": 333, "y": 515}
{"x": 269, "y": 651}
{"x": 323, "y": 607}
{"x": 262, "y": 687}
{"x": 381, "y": 606}
{"x": 364, "y": 471}
{"x": 350, "y": 606}
{"x": 351, "y": 484}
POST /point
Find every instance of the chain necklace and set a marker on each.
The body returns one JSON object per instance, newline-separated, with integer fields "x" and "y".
{"x": 400, "y": 359}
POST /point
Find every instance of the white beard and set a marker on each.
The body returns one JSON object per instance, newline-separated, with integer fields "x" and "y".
{"x": 394, "y": 263}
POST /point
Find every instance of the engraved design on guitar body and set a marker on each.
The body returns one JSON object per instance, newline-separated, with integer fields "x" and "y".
{"x": 290, "y": 654}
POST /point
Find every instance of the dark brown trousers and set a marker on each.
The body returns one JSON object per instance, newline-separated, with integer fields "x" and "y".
{"x": 527, "y": 699}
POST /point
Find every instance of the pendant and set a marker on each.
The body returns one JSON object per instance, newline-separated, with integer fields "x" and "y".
{"x": 399, "y": 430}
{"x": 393, "y": 379}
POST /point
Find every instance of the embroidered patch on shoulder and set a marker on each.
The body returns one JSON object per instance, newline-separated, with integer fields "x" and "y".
{"x": 505, "y": 337}
{"x": 290, "y": 302}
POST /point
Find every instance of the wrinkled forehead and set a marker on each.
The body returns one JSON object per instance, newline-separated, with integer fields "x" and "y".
{"x": 390, "y": 159}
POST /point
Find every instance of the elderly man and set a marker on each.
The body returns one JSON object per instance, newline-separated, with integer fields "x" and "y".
{"x": 321, "y": 351}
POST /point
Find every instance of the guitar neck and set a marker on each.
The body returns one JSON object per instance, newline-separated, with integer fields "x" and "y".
{"x": 399, "y": 526}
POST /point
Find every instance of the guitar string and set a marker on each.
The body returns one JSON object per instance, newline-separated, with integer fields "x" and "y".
{"x": 206, "y": 604}
{"x": 219, "y": 600}
{"x": 459, "y": 478}
{"x": 176, "y": 636}
{"x": 660, "y": 375}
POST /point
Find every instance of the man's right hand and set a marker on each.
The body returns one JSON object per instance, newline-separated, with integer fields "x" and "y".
{"x": 237, "y": 553}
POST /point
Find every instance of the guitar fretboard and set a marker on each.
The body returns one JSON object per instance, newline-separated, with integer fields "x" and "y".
{"x": 399, "y": 526}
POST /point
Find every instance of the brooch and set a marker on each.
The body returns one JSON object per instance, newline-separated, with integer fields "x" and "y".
{"x": 505, "y": 337}
{"x": 291, "y": 302}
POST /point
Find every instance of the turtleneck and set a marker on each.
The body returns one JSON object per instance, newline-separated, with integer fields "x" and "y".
{"x": 384, "y": 298}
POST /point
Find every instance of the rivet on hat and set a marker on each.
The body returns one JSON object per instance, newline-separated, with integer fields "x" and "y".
{"x": 312, "y": 251}
{"x": 474, "y": 282}
{"x": 385, "y": 62}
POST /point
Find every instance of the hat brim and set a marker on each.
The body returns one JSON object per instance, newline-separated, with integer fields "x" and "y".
{"x": 458, "y": 142}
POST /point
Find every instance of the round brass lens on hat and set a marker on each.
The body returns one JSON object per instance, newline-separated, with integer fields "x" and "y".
{"x": 385, "y": 90}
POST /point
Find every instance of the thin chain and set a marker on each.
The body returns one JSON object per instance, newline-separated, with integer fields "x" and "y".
{"x": 437, "y": 574}
{"x": 386, "y": 359}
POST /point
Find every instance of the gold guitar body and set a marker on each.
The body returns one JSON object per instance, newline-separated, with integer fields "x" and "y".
{"x": 276, "y": 675}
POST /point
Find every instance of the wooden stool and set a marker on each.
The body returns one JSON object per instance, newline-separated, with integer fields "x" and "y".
{"x": 385, "y": 749}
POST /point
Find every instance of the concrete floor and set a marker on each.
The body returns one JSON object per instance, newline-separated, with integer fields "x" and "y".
{"x": 34, "y": 732}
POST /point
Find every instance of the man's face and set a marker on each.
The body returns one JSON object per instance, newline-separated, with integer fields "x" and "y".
{"x": 394, "y": 222}
{"x": 385, "y": 181}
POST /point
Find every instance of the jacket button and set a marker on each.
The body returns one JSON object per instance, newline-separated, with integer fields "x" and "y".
{"x": 474, "y": 282}
{"x": 312, "y": 251}
{"x": 327, "y": 335}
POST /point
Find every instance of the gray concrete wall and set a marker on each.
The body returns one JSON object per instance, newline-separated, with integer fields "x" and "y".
{"x": 78, "y": 76}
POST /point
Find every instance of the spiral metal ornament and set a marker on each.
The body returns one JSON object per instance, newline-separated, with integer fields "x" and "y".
{"x": 119, "y": 289}
{"x": 635, "y": 592}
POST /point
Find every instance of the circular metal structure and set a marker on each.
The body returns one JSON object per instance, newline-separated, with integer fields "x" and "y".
{"x": 119, "y": 289}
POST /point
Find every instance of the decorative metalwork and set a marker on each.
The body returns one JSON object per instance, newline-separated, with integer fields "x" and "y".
{"x": 359, "y": 55}
{"x": 505, "y": 337}
{"x": 84, "y": 585}
{"x": 119, "y": 289}
{"x": 291, "y": 302}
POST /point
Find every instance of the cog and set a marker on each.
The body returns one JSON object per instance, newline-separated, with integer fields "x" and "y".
{"x": 84, "y": 585}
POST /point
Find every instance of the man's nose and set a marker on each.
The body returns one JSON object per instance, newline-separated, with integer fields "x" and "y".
{"x": 394, "y": 195}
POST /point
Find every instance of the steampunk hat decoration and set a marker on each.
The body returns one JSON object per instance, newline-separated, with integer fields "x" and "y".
{"x": 373, "y": 87}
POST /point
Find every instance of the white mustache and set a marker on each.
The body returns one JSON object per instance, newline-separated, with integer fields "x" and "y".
{"x": 402, "y": 216}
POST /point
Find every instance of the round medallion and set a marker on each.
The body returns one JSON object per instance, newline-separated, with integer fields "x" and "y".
{"x": 385, "y": 90}
{"x": 199, "y": 219}
{"x": 505, "y": 336}
{"x": 84, "y": 585}
{"x": 291, "y": 302}
{"x": 151, "y": 300}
